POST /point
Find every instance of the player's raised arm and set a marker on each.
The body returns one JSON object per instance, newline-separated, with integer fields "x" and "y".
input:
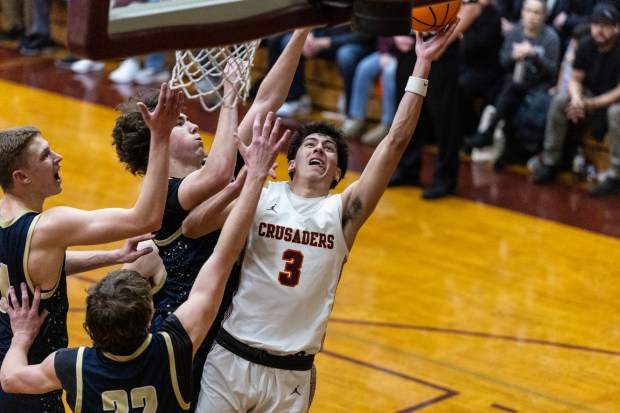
{"x": 210, "y": 215}
{"x": 62, "y": 227}
{"x": 219, "y": 166}
{"x": 361, "y": 198}
{"x": 274, "y": 88}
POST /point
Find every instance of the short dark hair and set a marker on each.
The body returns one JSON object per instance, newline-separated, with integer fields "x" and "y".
{"x": 131, "y": 135}
{"x": 118, "y": 312}
{"x": 13, "y": 149}
{"x": 326, "y": 129}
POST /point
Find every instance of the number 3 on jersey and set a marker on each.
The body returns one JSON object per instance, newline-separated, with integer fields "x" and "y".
{"x": 292, "y": 269}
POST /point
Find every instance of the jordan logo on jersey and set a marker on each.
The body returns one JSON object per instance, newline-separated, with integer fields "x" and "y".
{"x": 273, "y": 208}
{"x": 296, "y": 390}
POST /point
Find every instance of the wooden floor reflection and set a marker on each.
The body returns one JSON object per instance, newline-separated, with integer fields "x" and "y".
{"x": 450, "y": 306}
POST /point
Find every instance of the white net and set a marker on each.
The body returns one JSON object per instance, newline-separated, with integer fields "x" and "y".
{"x": 201, "y": 74}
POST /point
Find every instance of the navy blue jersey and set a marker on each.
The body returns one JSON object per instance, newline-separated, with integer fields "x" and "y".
{"x": 155, "y": 378}
{"x": 14, "y": 248}
{"x": 183, "y": 257}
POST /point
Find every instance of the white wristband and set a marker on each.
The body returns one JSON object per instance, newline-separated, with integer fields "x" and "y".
{"x": 417, "y": 85}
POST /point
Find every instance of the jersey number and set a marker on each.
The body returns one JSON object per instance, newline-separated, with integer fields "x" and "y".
{"x": 292, "y": 269}
{"x": 118, "y": 402}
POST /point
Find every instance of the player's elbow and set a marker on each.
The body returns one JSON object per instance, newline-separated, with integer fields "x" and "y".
{"x": 149, "y": 223}
{"x": 190, "y": 229}
{"x": 9, "y": 382}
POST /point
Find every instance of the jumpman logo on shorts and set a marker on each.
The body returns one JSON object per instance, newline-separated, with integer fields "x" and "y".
{"x": 296, "y": 391}
{"x": 273, "y": 208}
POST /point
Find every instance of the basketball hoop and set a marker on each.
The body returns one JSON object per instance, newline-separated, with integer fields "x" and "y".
{"x": 201, "y": 73}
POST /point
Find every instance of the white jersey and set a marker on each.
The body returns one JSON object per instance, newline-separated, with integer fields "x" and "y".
{"x": 290, "y": 271}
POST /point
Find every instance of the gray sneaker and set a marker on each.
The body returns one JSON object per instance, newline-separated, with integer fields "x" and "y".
{"x": 374, "y": 136}
{"x": 353, "y": 128}
{"x": 149, "y": 75}
{"x": 300, "y": 107}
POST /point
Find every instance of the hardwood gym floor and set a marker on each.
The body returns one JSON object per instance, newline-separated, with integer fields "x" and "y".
{"x": 502, "y": 298}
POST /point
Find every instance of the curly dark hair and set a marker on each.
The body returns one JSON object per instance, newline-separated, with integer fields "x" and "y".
{"x": 13, "y": 149}
{"x": 118, "y": 312}
{"x": 131, "y": 135}
{"x": 326, "y": 129}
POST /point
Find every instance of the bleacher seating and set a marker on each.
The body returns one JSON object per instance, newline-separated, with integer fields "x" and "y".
{"x": 324, "y": 85}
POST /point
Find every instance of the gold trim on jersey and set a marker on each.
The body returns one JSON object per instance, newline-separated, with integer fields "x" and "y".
{"x": 155, "y": 288}
{"x": 162, "y": 242}
{"x": 173, "y": 372}
{"x": 132, "y": 356}
{"x": 47, "y": 293}
{"x": 6, "y": 224}
{"x": 79, "y": 384}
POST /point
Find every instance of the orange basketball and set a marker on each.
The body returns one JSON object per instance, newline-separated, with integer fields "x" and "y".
{"x": 435, "y": 16}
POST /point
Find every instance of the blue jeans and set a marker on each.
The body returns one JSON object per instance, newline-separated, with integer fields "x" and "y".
{"x": 41, "y": 24}
{"x": 365, "y": 74}
{"x": 346, "y": 56}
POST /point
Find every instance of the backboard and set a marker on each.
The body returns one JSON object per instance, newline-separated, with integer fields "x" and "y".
{"x": 99, "y": 31}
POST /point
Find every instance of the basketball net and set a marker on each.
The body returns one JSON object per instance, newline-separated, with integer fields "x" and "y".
{"x": 201, "y": 74}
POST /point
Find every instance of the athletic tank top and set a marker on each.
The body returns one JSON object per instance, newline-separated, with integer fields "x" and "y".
{"x": 155, "y": 378}
{"x": 290, "y": 270}
{"x": 15, "y": 238}
{"x": 182, "y": 257}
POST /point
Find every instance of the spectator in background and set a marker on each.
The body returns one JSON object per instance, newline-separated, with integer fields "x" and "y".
{"x": 379, "y": 63}
{"x": 13, "y": 11}
{"x": 333, "y": 43}
{"x": 155, "y": 68}
{"x": 531, "y": 54}
{"x": 557, "y": 13}
{"x": 577, "y": 14}
{"x": 440, "y": 114}
{"x": 30, "y": 25}
{"x": 480, "y": 72}
{"x": 593, "y": 95}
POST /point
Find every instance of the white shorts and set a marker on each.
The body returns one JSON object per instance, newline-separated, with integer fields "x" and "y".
{"x": 232, "y": 384}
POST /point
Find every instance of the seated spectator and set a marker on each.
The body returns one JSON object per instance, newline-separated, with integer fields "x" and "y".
{"x": 380, "y": 63}
{"x": 576, "y": 14}
{"x": 559, "y": 14}
{"x": 531, "y": 53}
{"x": 593, "y": 95}
{"x": 333, "y": 43}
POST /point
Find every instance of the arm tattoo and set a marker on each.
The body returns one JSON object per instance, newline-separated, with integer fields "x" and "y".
{"x": 352, "y": 211}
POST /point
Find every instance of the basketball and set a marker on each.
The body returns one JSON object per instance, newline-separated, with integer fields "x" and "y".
{"x": 435, "y": 16}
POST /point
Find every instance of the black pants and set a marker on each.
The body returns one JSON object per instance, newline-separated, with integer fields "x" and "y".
{"x": 439, "y": 121}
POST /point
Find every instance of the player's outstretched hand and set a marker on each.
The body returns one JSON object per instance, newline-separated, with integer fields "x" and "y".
{"x": 130, "y": 252}
{"x": 433, "y": 48}
{"x": 25, "y": 320}
{"x": 166, "y": 114}
{"x": 262, "y": 152}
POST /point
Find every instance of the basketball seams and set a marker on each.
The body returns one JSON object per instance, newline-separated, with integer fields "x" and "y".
{"x": 434, "y": 17}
